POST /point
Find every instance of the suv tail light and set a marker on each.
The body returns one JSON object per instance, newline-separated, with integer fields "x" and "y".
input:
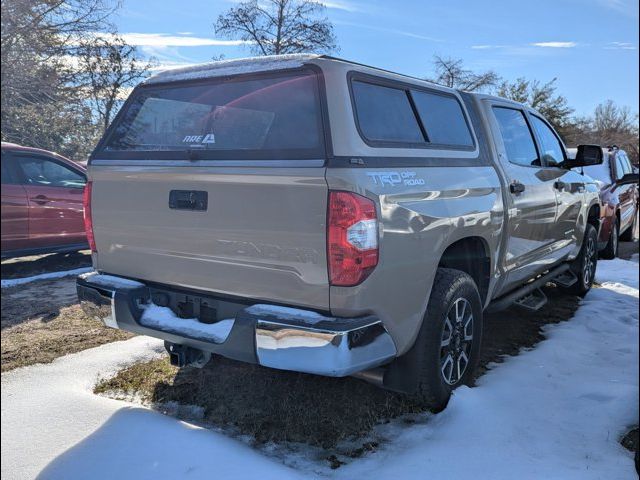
{"x": 352, "y": 238}
{"x": 88, "y": 221}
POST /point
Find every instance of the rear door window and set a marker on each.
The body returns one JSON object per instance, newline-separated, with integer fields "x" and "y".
{"x": 442, "y": 118}
{"x": 385, "y": 114}
{"x": 516, "y": 136}
{"x": 272, "y": 116}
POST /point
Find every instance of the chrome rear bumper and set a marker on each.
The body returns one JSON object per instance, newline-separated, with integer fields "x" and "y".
{"x": 276, "y": 337}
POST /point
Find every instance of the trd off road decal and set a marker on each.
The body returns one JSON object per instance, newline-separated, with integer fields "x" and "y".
{"x": 393, "y": 179}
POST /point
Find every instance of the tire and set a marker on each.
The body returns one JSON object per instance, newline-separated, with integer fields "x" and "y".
{"x": 611, "y": 250}
{"x": 627, "y": 235}
{"x": 437, "y": 377}
{"x": 585, "y": 264}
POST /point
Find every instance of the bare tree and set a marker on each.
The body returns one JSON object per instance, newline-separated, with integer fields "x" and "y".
{"x": 609, "y": 125}
{"x": 451, "y": 73}
{"x": 541, "y": 96}
{"x": 41, "y": 103}
{"x": 109, "y": 69}
{"x": 274, "y": 27}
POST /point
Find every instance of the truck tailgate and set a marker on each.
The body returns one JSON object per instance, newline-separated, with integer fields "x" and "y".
{"x": 261, "y": 235}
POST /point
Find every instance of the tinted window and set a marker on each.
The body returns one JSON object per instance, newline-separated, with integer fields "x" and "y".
{"x": 442, "y": 118}
{"x": 516, "y": 136}
{"x": 385, "y": 114}
{"x": 277, "y": 114}
{"x": 551, "y": 148}
{"x": 39, "y": 171}
{"x": 7, "y": 174}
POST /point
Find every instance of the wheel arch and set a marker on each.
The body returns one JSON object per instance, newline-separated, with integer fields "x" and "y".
{"x": 471, "y": 255}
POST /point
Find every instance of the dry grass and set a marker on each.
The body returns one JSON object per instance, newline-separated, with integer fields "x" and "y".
{"x": 269, "y": 405}
{"x": 43, "y": 339}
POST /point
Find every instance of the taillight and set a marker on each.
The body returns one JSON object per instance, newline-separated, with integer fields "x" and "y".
{"x": 352, "y": 238}
{"x": 88, "y": 221}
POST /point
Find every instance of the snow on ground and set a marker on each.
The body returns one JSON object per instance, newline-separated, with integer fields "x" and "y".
{"x": 555, "y": 412}
{"x": 12, "y": 282}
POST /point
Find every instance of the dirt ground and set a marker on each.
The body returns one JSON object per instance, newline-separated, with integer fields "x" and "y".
{"x": 41, "y": 320}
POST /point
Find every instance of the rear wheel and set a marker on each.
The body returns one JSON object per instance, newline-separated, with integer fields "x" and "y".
{"x": 449, "y": 340}
{"x": 584, "y": 266}
{"x": 611, "y": 250}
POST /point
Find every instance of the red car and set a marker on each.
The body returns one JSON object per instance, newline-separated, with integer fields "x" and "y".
{"x": 618, "y": 182}
{"x": 41, "y": 202}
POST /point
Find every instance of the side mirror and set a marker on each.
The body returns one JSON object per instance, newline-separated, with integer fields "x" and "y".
{"x": 586, "y": 155}
{"x": 628, "y": 179}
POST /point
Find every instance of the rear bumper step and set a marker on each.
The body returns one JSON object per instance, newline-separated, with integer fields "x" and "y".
{"x": 275, "y": 337}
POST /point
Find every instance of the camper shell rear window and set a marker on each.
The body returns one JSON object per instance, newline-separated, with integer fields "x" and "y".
{"x": 271, "y": 116}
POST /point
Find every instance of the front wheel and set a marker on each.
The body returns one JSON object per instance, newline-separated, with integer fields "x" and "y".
{"x": 584, "y": 266}
{"x": 449, "y": 340}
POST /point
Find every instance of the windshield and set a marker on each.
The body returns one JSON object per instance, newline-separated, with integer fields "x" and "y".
{"x": 275, "y": 114}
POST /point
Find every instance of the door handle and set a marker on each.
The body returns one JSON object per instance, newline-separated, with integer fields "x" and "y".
{"x": 516, "y": 187}
{"x": 41, "y": 199}
{"x": 560, "y": 186}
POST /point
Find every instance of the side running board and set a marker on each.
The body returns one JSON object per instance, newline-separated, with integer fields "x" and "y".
{"x": 566, "y": 279}
{"x": 530, "y": 296}
{"x": 532, "y": 301}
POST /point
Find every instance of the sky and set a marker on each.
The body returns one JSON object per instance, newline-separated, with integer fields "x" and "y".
{"x": 590, "y": 46}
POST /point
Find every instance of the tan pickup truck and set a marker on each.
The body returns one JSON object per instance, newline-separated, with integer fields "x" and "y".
{"x": 313, "y": 214}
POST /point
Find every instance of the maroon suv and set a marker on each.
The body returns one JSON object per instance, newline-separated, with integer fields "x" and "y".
{"x": 41, "y": 202}
{"x": 618, "y": 181}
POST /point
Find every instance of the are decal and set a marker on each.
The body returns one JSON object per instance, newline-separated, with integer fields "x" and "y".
{"x": 208, "y": 138}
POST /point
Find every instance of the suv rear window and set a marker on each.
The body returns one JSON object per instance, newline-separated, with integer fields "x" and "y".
{"x": 407, "y": 117}
{"x": 271, "y": 116}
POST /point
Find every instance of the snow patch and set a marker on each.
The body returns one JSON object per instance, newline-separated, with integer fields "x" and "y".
{"x": 111, "y": 281}
{"x": 287, "y": 313}
{"x": 12, "y": 282}
{"x": 618, "y": 271}
{"x": 163, "y": 318}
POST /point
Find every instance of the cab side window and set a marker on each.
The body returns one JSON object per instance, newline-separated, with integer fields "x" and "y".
{"x": 517, "y": 137}
{"x": 551, "y": 148}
